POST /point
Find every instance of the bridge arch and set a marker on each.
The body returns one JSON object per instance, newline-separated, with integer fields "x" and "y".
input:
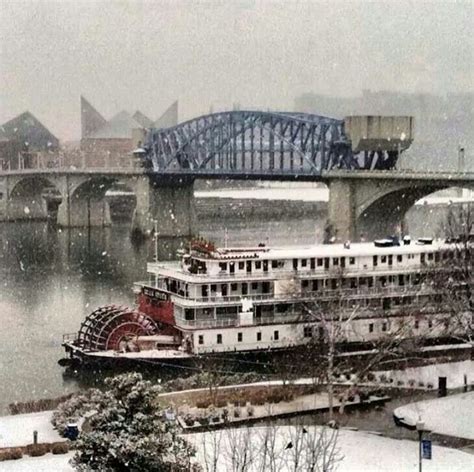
{"x": 87, "y": 204}
{"x": 254, "y": 143}
{"x": 29, "y": 198}
{"x": 373, "y": 205}
{"x": 385, "y": 214}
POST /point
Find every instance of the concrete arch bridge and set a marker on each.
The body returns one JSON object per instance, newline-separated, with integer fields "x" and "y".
{"x": 82, "y": 202}
{"x": 355, "y": 158}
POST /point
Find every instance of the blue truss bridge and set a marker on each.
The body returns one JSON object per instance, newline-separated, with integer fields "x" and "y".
{"x": 259, "y": 145}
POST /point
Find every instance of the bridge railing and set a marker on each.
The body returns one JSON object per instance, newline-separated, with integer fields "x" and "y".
{"x": 69, "y": 160}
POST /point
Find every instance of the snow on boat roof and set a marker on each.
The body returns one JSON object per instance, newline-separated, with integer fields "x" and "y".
{"x": 323, "y": 250}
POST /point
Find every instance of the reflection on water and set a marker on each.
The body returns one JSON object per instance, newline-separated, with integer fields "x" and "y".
{"x": 51, "y": 279}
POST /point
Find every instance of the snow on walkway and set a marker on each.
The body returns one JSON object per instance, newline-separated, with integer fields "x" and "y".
{"x": 452, "y": 416}
{"x": 46, "y": 463}
{"x": 17, "y": 430}
{"x": 362, "y": 452}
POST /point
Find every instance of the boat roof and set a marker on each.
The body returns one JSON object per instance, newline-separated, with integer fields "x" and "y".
{"x": 321, "y": 251}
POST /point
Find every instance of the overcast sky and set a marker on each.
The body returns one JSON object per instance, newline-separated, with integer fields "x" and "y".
{"x": 259, "y": 53}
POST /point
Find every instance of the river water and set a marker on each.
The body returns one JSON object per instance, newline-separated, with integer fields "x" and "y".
{"x": 50, "y": 279}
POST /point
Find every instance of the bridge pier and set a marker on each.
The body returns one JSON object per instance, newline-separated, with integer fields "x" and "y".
{"x": 169, "y": 202}
{"x": 84, "y": 212}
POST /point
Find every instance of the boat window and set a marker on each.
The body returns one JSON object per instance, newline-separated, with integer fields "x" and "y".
{"x": 213, "y": 288}
{"x": 233, "y": 287}
{"x": 224, "y": 290}
{"x": 265, "y": 287}
{"x": 223, "y": 266}
{"x": 326, "y": 262}
{"x": 201, "y": 339}
{"x": 241, "y": 265}
{"x": 371, "y": 327}
{"x": 384, "y": 326}
{"x": 422, "y": 258}
{"x": 343, "y": 262}
{"x": 232, "y": 267}
{"x": 430, "y": 256}
{"x": 219, "y": 339}
{"x": 295, "y": 264}
{"x": 204, "y": 290}
{"x": 254, "y": 285}
{"x": 265, "y": 266}
{"x": 312, "y": 263}
{"x": 189, "y": 314}
{"x": 305, "y": 283}
{"x": 352, "y": 260}
{"x": 315, "y": 285}
{"x": 390, "y": 260}
{"x": 304, "y": 262}
{"x": 276, "y": 335}
{"x": 335, "y": 261}
{"x": 308, "y": 332}
{"x": 274, "y": 264}
{"x": 244, "y": 288}
{"x": 375, "y": 261}
{"x": 383, "y": 259}
{"x": 249, "y": 266}
{"x": 417, "y": 324}
{"x": 239, "y": 337}
{"x": 399, "y": 258}
{"x": 259, "y": 336}
{"x": 320, "y": 262}
{"x": 258, "y": 264}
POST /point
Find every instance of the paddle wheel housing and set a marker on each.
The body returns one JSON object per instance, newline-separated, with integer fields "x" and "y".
{"x": 105, "y": 328}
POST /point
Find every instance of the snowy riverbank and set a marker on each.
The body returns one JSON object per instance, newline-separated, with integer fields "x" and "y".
{"x": 451, "y": 416}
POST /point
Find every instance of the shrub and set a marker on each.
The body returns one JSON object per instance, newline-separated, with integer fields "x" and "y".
{"x": 203, "y": 403}
{"x": 189, "y": 420}
{"x": 36, "y": 450}
{"x": 11, "y": 454}
{"x": 60, "y": 448}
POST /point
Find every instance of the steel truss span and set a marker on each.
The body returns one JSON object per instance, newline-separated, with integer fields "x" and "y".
{"x": 252, "y": 143}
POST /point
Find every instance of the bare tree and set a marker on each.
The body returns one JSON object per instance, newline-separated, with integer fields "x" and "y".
{"x": 453, "y": 279}
{"x": 335, "y": 314}
{"x": 271, "y": 448}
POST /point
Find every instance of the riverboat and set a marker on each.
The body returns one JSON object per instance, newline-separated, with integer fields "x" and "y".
{"x": 231, "y": 301}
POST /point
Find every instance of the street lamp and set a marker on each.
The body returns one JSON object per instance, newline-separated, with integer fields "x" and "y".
{"x": 420, "y": 427}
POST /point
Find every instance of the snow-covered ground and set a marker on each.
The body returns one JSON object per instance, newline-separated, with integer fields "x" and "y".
{"x": 453, "y": 371}
{"x": 359, "y": 452}
{"x": 452, "y": 416}
{"x": 46, "y": 463}
{"x": 17, "y": 430}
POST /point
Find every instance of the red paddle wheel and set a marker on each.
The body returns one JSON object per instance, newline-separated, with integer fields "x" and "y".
{"x": 106, "y": 327}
